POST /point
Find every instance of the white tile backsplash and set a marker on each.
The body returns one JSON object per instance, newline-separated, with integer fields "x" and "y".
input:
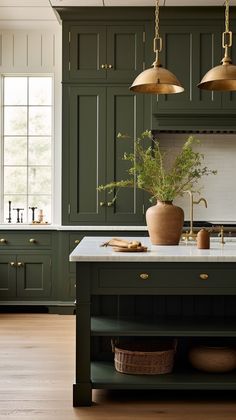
{"x": 219, "y": 190}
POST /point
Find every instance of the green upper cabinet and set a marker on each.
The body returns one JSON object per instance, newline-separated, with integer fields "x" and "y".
{"x": 93, "y": 117}
{"x": 103, "y": 53}
{"x": 189, "y": 52}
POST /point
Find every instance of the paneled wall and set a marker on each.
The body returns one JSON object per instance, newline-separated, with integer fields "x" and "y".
{"x": 219, "y": 152}
{"x": 36, "y": 51}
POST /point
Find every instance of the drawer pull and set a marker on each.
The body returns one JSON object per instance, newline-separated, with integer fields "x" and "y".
{"x": 102, "y": 204}
{"x": 12, "y": 264}
{"x": 204, "y": 276}
{"x": 77, "y": 241}
{"x": 144, "y": 276}
{"x": 103, "y": 66}
{"x": 110, "y": 66}
{"x": 3, "y": 241}
{"x": 20, "y": 264}
{"x": 32, "y": 241}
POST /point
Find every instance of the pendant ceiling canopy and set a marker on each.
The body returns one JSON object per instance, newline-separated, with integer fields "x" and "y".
{"x": 156, "y": 80}
{"x": 222, "y": 77}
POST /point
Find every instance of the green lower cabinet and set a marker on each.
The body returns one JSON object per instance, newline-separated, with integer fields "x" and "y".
{"x": 7, "y": 276}
{"x": 25, "y": 276}
{"x": 34, "y": 276}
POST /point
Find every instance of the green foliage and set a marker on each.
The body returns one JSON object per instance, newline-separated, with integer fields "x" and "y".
{"x": 149, "y": 170}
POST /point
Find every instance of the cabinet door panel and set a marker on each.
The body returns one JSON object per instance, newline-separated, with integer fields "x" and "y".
{"x": 229, "y": 98}
{"x": 7, "y": 276}
{"x": 125, "y": 51}
{"x": 87, "y": 153}
{"x": 33, "y": 276}
{"x": 125, "y": 115}
{"x": 87, "y": 52}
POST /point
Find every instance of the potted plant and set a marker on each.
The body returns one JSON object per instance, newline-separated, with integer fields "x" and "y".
{"x": 152, "y": 172}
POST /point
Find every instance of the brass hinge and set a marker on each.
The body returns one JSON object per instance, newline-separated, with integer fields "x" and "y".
{"x": 69, "y": 65}
{"x": 144, "y": 36}
{"x": 69, "y": 37}
{"x": 144, "y": 65}
{"x": 69, "y": 208}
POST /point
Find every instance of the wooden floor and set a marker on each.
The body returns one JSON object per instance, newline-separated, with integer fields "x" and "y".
{"x": 37, "y": 372}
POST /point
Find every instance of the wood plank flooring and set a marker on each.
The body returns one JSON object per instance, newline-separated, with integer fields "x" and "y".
{"x": 37, "y": 373}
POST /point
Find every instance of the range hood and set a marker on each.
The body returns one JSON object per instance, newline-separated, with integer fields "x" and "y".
{"x": 194, "y": 123}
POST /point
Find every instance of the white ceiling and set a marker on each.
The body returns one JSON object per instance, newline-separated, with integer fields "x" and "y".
{"x": 20, "y": 12}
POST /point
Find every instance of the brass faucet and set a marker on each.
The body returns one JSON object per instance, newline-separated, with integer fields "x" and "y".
{"x": 191, "y": 234}
{"x": 219, "y": 229}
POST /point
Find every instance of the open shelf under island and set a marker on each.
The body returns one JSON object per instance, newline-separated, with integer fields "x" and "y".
{"x": 186, "y": 293}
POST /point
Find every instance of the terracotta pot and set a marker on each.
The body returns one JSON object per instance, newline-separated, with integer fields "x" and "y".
{"x": 165, "y": 222}
{"x": 213, "y": 359}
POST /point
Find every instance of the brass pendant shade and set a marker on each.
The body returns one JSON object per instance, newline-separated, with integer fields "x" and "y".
{"x": 156, "y": 80}
{"x": 222, "y": 77}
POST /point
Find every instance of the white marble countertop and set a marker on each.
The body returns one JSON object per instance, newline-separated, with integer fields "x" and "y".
{"x": 90, "y": 249}
{"x": 22, "y": 226}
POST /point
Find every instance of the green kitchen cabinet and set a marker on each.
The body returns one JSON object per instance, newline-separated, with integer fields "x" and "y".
{"x": 189, "y": 52}
{"x": 93, "y": 156}
{"x": 7, "y": 276}
{"x": 26, "y": 270}
{"x": 99, "y": 52}
{"x": 25, "y": 276}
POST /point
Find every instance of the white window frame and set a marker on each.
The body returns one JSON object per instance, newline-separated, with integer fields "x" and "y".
{"x": 28, "y": 75}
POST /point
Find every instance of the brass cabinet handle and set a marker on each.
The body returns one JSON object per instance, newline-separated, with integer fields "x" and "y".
{"x": 144, "y": 276}
{"x": 20, "y": 264}
{"x": 110, "y": 66}
{"x": 32, "y": 241}
{"x": 3, "y": 241}
{"x": 77, "y": 241}
{"x": 204, "y": 276}
{"x": 12, "y": 264}
{"x": 110, "y": 203}
{"x": 103, "y": 66}
{"x": 102, "y": 203}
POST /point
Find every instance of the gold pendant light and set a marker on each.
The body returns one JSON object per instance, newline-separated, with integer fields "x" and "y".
{"x": 222, "y": 77}
{"x": 157, "y": 80}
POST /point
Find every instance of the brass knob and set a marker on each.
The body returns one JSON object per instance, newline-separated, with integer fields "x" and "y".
{"x": 204, "y": 276}
{"x": 77, "y": 241}
{"x": 3, "y": 240}
{"x": 110, "y": 66}
{"x": 144, "y": 276}
{"x": 110, "y": 203}
{"x": 32, "y": 241}
{"x": 102, "y": 203}
{"x": 20, "y": 264}
{"x": 103, "y": 66}
{"x": 12, "y": 264}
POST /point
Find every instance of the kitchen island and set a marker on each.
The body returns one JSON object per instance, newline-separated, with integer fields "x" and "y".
{"x": 169, "y": 291}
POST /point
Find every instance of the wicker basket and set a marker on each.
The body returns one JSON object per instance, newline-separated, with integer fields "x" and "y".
{"x": 153, "y": 358}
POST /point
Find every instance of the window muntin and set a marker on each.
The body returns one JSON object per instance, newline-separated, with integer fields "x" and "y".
{"x": 27, "y": 146}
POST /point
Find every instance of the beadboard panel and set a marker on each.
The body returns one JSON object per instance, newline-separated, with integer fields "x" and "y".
{"x": 30, "y": 51}
{"x": 219, "y": 190}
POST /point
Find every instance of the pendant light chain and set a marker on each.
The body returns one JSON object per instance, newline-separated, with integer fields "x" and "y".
{"x": 227, "y": 35}
{"x": 226, "y": 15}
{"x": 157, "y": 21}
{"x": 157, "y": 42}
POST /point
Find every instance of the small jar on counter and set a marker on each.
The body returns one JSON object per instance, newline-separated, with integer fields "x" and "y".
{"x": 203, "y": 239}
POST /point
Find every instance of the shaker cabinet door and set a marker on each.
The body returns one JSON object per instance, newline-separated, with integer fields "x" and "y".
{"x": 7, "y": 276}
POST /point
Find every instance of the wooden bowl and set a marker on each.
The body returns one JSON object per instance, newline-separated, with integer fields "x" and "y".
{"x": 213, "y": 359}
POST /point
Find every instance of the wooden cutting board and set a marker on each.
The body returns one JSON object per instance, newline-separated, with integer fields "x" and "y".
{"x": 122, "y": 249}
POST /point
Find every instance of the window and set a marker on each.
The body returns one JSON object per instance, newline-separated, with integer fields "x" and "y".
{"x": 26, "y": 158}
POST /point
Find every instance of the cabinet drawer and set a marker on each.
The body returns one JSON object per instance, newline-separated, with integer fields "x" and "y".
{"x": 30, "y": 239}
{"x": 197, "y": 280}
